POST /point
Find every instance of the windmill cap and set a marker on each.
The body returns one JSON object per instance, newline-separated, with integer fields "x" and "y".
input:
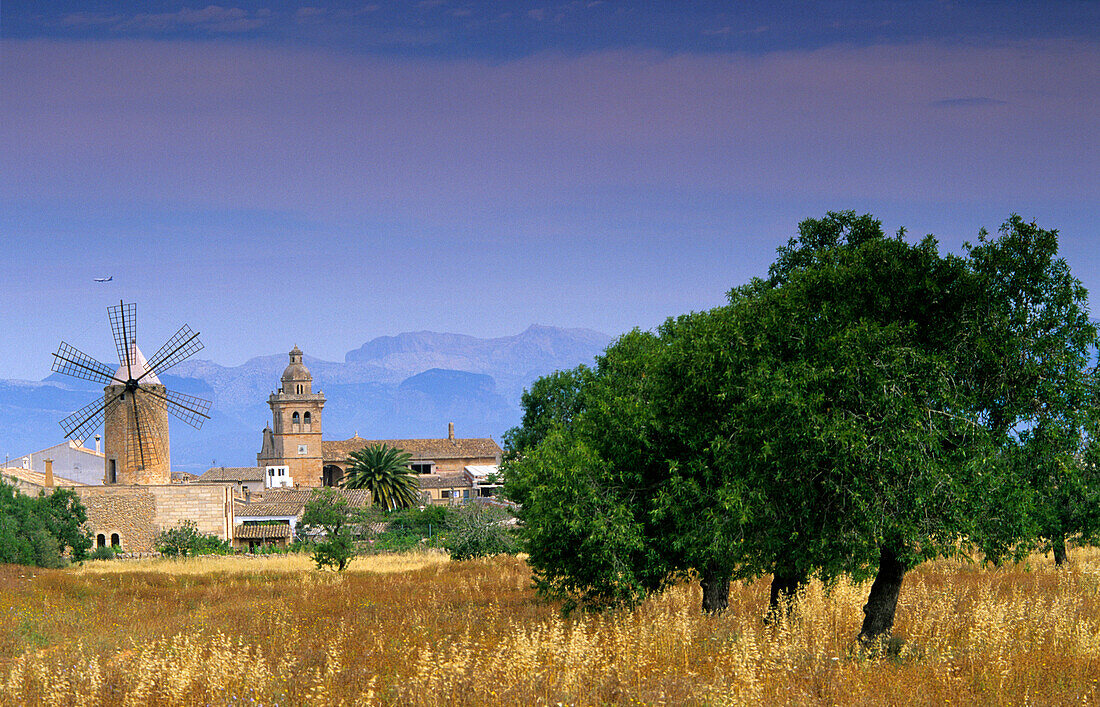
{"x": 138, "y": 366}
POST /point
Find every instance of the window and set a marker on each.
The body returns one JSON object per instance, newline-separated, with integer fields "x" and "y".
{"x": 100, "y": 540}
{"x": 115, "y": 540}
{"x": 307, "y": 420}
{"x": 445, "y": 493}
{"x": 295, "y": 419}
{"x": 112, "y": 476}
{"x": 299, "y": 389}
{"x": 421, "y": 468}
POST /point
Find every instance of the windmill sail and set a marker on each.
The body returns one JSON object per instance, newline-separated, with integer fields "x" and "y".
{"x": 124, "y": 328}
{"x": 74, "y": 362}
{"x": 182, "y": 345}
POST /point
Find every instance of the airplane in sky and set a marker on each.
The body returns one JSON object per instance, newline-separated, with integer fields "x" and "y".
{"x": 105, "y": 279}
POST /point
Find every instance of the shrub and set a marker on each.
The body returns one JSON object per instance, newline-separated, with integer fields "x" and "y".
{"x": 103, "y": 552}
{"x": 481, "y": 531}
{"x": 185, "y": 539}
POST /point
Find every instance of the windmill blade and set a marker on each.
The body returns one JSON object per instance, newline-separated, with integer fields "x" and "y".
{"x": 189, "y": 408}
{"x": 74, "y": 362}
{"x": 144, "y": 444}
{"x": 182, "y": 345}
{"x": 124, "y": 328}
{"x": 87, "y": 419}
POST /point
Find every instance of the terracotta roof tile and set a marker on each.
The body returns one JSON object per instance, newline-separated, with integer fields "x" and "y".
{"x": 37, "y": 478}
{"x": 261, "y": 532}
{"x": 456, "y": 480}
{"x": 288, "y": 502}
{"x": 232, "y": 473}
{"x": 420, "y": 449}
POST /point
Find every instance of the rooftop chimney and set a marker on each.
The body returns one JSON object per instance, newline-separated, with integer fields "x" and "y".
{"x": 49, "y": 473}
{"x": 450, "y": 430}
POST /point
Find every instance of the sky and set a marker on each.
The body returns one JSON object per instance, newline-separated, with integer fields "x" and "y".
{"x": 276, "y": 174}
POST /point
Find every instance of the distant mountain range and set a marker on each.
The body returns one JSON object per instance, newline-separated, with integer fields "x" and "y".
{"x": 405, "y": 386}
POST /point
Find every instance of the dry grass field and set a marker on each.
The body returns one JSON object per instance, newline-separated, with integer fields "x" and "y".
{"x": 419, "y": 630}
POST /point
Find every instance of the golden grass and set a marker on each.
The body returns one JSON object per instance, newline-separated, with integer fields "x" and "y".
{"x": 238, "y": 564}
{"x": 418, "y": 630}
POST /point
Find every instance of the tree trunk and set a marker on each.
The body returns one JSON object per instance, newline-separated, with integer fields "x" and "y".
{"x": 785, "y": 586}
{"x": 1059, "y": 545}
{"x": 716, "y": 591}
{"x": 882, "y": 602}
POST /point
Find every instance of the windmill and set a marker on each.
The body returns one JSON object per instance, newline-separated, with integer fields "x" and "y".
{"x": 135, "y": 405}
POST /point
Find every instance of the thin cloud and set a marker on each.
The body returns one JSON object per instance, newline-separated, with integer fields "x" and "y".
{"x": 212, "y": 18}
{"x": 967, "y": 102}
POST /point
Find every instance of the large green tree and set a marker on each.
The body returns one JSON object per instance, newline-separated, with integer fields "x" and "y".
{"x": 385, "y": 472}
{"x": 847, "y": 415}
{"x": 41, "y": 530}
{"x": 1028, "y": 359}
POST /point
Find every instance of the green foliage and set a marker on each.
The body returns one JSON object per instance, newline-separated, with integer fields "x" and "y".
{"x": 103, "y": 552}
{"x": 185, "y": 540}
{"x": 328, "y": 510}
{"x": 553, "y": 400}
{"x": 480, "y": 530}
{"x": 40, "y": 530}
{"x": 871, "y": 395}
{"x": 384, "y": 471}
{"x": 414, "y": 528}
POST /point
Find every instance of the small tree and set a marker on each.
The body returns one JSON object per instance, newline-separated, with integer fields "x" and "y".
{"x": 328, "y": 510}
{"x": 385, "y": 472}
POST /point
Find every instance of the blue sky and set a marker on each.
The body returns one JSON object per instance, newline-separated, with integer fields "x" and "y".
{"x": 279, "y": 173}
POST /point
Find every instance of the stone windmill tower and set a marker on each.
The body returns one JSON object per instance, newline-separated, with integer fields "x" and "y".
{"x": 135, "y": 405}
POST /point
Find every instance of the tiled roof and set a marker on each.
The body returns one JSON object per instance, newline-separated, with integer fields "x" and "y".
{"x": 261, "y": 532}
{"x": 36, "y": 478}
{"x": 289, "y": 502}
{"x": 456, "y": 480}
{"x": 427, "y": 449}
{"x": 232, "y": 473}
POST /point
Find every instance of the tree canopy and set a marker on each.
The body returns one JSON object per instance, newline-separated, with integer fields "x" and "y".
{"x": 40, "y": 530}
{"x": 853, "y": 413}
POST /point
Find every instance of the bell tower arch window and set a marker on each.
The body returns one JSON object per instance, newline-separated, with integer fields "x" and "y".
{"x": 307, "y": 421}
{"x": 295, "y": 422}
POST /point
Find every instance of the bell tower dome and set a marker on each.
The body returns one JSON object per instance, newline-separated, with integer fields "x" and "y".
{"x": 294, "y": 438}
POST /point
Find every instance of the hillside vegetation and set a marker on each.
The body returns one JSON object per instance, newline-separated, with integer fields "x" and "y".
{"x": 419, "y": 630}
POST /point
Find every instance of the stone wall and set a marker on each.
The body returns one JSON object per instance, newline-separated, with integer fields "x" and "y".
{"x": 127, "y": 510}
{"x": 139, "y": 513}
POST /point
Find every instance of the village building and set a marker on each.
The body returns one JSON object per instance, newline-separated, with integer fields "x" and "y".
{"x": 256, "y": 505}
{"x": 30, "y": 481}
{"x": 249, "y": 479}
{"x": 450, "y": 469}
{"x": 271, "y": 517}
{"x": 71, "y": 460}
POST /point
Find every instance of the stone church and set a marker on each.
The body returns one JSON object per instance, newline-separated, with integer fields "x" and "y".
{"x": 294, "y": 454}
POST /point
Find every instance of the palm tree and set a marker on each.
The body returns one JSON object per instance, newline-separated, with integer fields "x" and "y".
{"x": 384, "y": 471}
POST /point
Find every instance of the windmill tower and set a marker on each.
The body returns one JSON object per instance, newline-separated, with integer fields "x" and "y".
{"x": 135, "y": 405}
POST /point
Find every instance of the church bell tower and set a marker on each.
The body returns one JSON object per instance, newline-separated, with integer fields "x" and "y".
{"x": 294, "y": 438}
